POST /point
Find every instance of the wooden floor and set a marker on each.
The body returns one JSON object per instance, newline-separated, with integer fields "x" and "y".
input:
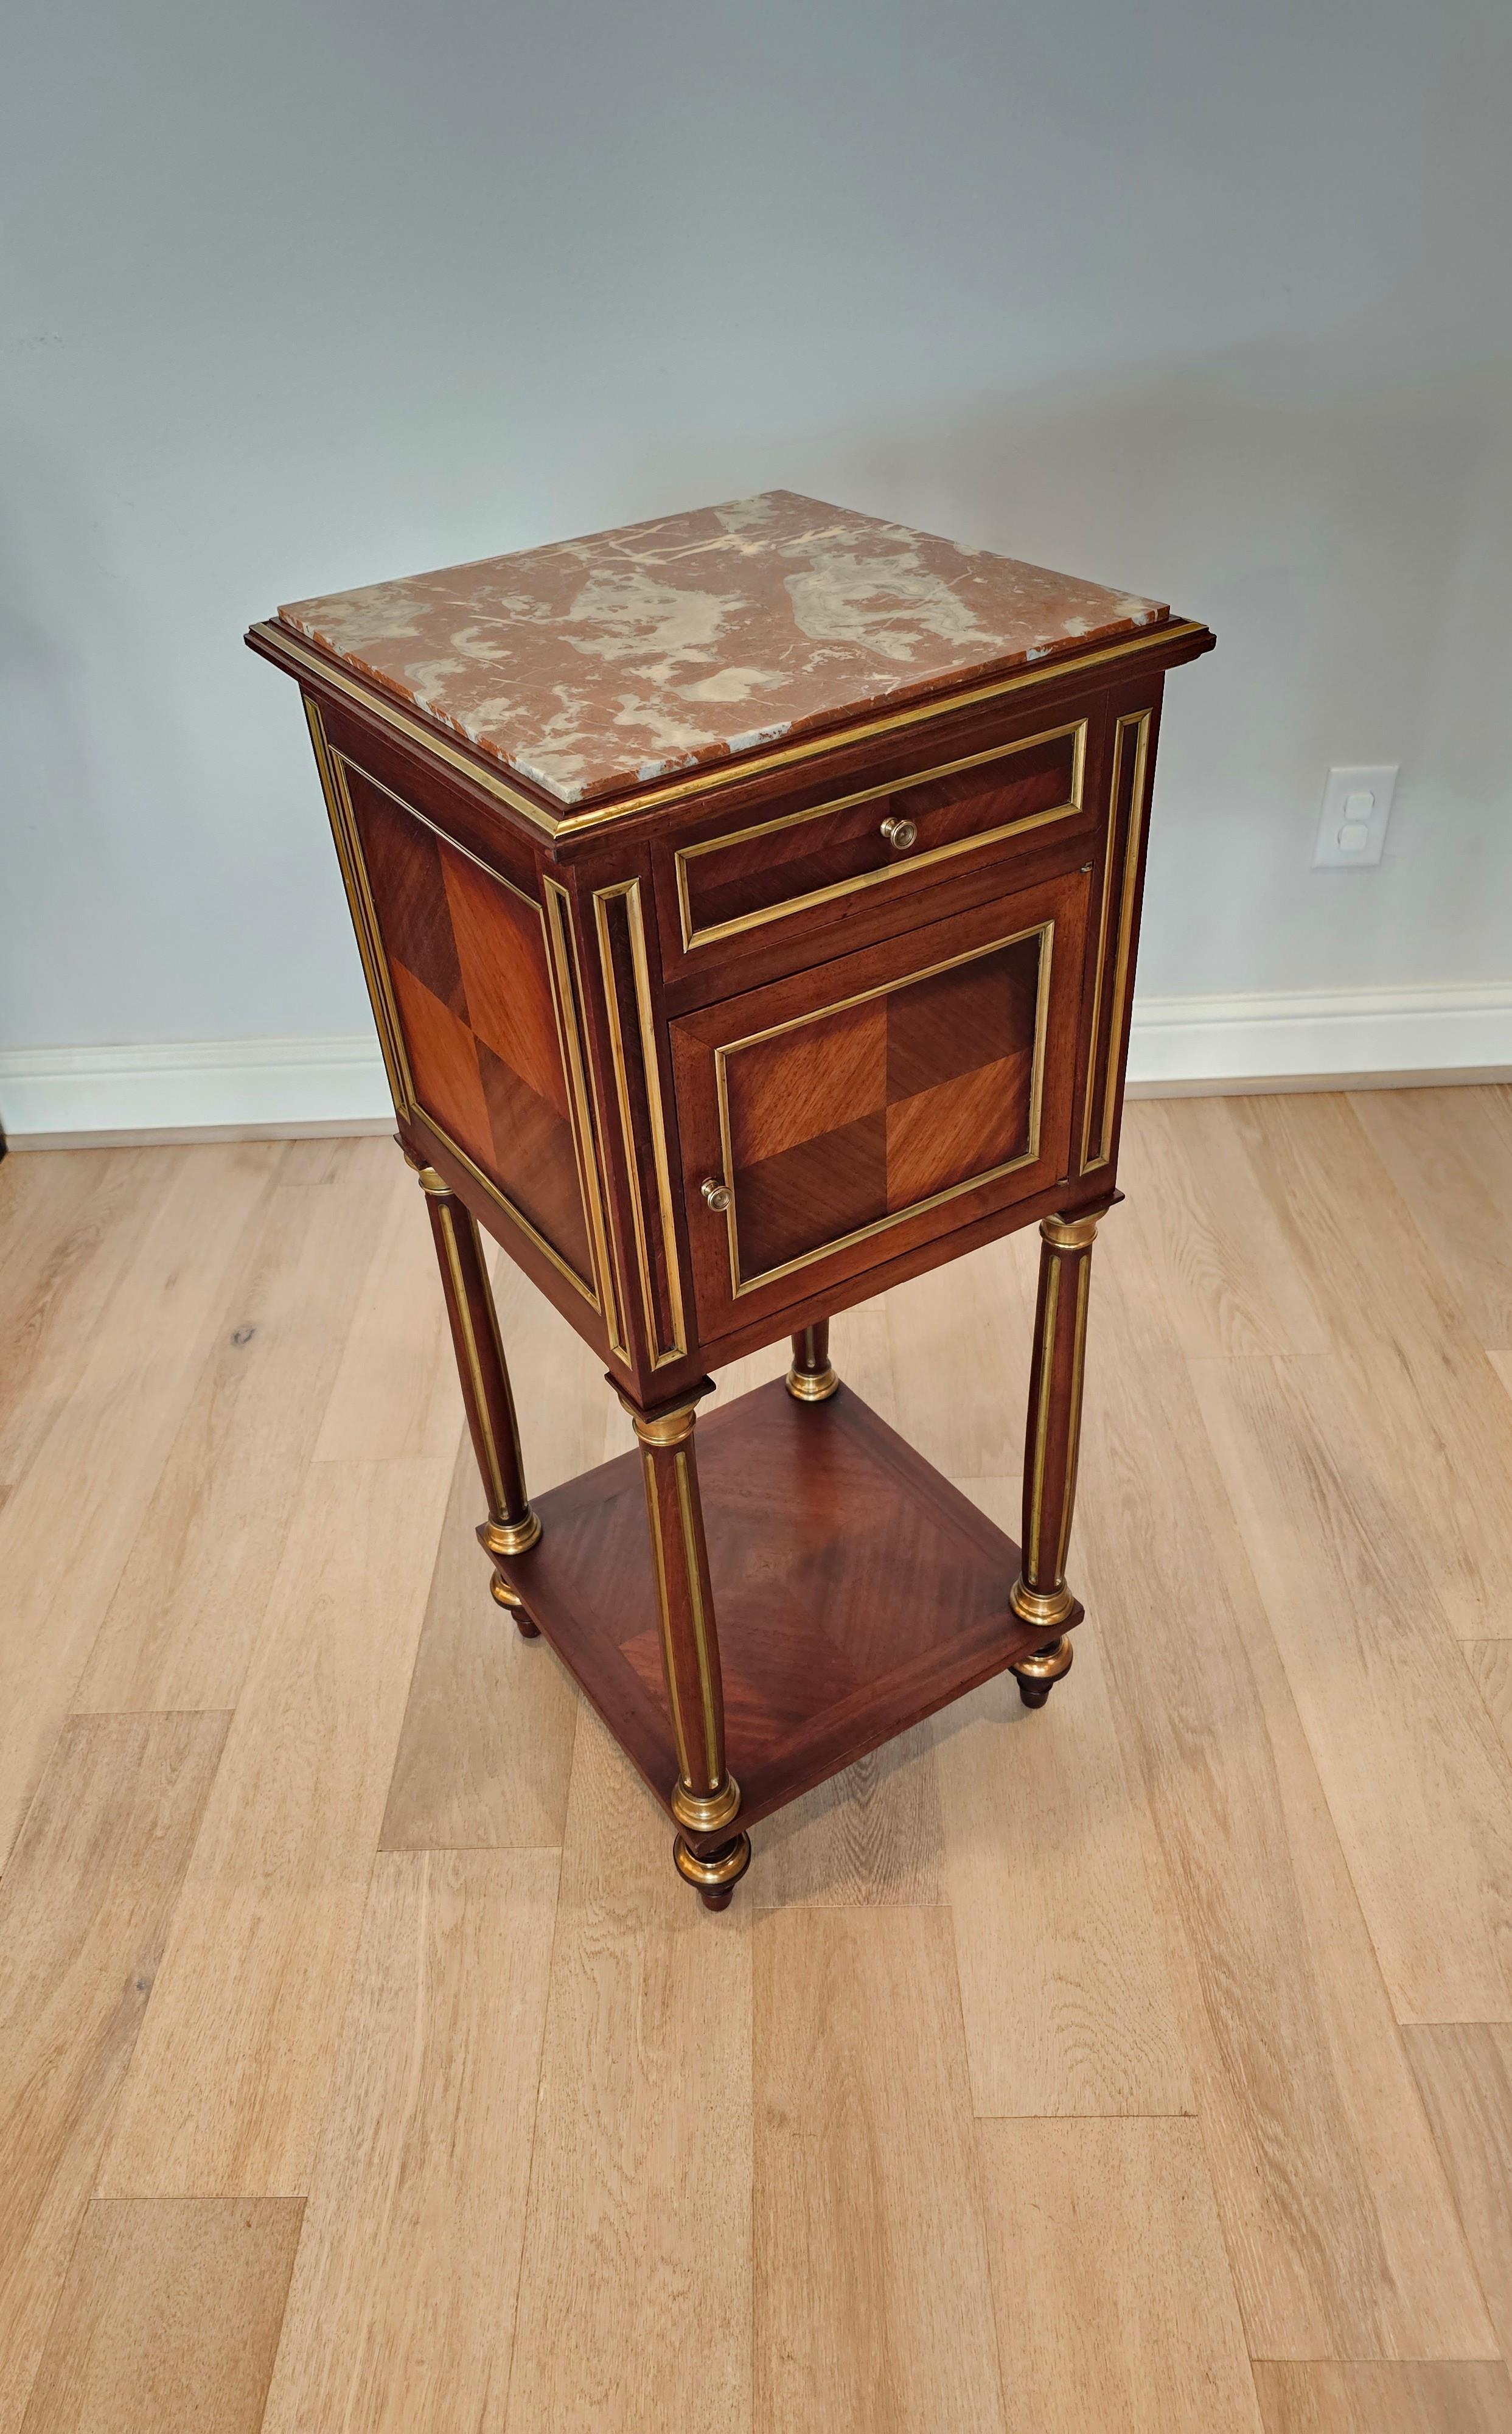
{"x": 1142, "y": 2063}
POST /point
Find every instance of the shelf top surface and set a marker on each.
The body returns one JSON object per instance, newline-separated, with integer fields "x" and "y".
{"x": 607, "y": 662}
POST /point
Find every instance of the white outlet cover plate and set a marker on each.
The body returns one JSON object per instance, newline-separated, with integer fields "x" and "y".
{"x": 1356, "y": 807}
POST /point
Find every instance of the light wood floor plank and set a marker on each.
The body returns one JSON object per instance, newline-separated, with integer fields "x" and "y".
{"x": 1339, "y": 2224}
{"x": 1490, "y": 1665}
{"x": 1415, "y": 1373}
{"x": 872, "y": 2306}
{"x": 1450, "y": 1155}
{"x": 1115, "y": 2305}
{"x": 67, "y": 1527}
{"x": 184, "y": 1620}
{"x": 1419, "y": 1787}
{"x": 1064, "y": 1984}
{"x": 486, "y": 1752}
{"x": 401, "y": 2314}
{"x": 1221, "y": 1275}
{"x": 229, "y": 2083}
{"x": 961, "y": 1340}
{"x": 635, "y": 2290}
{"x": 1466, "y": 2077}
{"x": 395, "y": 1392}
{"x": 1372, "y": 2398}
{"x": 872, "y": 1834}
{"x": 84, "y": 1911}
{"x": 69, "y": 1222}
{"x": 169, "y": 2318}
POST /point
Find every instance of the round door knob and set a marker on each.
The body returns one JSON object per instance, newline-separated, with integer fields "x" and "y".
{"x": 716, "y": 1194}
{"x": 900, "y": 834}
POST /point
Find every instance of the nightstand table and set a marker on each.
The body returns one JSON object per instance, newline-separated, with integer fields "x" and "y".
{"x": 748, "y": 902}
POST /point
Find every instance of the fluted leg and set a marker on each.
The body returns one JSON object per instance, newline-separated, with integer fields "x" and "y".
{"x": 511, "y": 1526}
{"x": 1040, "y": 1595}
{"x": 705, "y": 1797}
{"x": 810, "y": 1379}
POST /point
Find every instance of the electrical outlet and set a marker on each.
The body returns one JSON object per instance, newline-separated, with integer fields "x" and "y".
{"x": 1356, "y": 807}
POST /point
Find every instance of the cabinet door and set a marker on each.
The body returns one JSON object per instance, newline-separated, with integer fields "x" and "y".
{"x": 853, "y": 1111}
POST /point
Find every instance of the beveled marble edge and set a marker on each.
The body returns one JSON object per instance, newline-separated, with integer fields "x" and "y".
{"x": 272, "y": 639}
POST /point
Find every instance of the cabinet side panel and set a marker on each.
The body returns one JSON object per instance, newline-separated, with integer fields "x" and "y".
{"x": 465, "y": 957}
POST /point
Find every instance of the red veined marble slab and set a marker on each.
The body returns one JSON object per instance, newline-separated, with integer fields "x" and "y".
{"x": 606, "y": 663}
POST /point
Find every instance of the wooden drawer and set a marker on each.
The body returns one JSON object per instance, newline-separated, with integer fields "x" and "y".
{"x": 850, "y": 1112}
{"x": 798, "y": 864}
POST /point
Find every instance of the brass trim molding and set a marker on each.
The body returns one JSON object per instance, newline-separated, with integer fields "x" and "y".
{"x": 787, "y": 905}
{"x": 629, "y": 891}
{"x": 587, "y": 1124}
{"x": 1139, "y": 721}
{"x": 1045, "y": 933}
{"x": 429, "y": 736}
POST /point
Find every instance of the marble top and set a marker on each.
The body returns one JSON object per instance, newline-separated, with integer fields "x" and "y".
{"x": 607, "y": 663}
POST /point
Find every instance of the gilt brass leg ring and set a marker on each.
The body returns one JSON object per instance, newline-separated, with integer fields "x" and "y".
{"x": 716, "y": 1877}
{"x": 510, "y": 1537}
{"x": 705, "y": 1812}
{"x": 1046, "y": 1664}
{"x": 1047, "y": 1607}
{"x": 813, "y": 1385}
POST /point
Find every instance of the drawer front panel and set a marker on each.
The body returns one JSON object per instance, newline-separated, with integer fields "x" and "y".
{"x": 728, "y": 885}
{"x": 851, "y": 1111}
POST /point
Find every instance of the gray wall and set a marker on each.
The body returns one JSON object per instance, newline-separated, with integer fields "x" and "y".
{"x": 1206, "y": 298}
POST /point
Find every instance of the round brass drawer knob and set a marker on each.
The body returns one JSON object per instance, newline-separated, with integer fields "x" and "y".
{"x": 716, "y": 1194}
{"x": 900, "y": 834}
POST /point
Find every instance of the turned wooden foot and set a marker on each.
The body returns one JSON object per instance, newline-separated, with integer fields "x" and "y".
{"x": 1036, "y": 1675}
{"x": 715, "y": 1876}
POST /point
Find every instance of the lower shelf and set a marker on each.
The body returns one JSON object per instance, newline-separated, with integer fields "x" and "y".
{"x": 856, "y": 1591}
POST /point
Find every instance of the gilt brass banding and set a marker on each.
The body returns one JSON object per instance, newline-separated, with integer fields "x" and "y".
{"x": 424, "y": 732}
{"x": 511, "y": 1538}
{"x": 587, "y": 1121}
{"x": 705, "y": 1812}
{"x": 628, "y": 891}
{"x": 1046, "y": 1664}
{"x": 1138, "y": 721}
{"x": 892, "y": 829}
{"x": 725, "y": 1868}
{"x": 1045, "y": 933}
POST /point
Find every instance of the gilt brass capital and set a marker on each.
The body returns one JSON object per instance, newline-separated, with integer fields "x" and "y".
{"x": 433, "y": 1185}
{"x": 1046, "y": 1664}
{"x": 663, "y": 1429}
{"x": 1069, "y": 1233}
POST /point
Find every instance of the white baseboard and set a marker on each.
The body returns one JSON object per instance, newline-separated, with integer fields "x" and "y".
{"x": 219, "y": 1089}
{"x": 1320, "y": 1039}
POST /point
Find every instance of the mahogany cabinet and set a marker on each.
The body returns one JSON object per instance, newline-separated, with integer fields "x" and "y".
{"x": 748, "y": 902}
